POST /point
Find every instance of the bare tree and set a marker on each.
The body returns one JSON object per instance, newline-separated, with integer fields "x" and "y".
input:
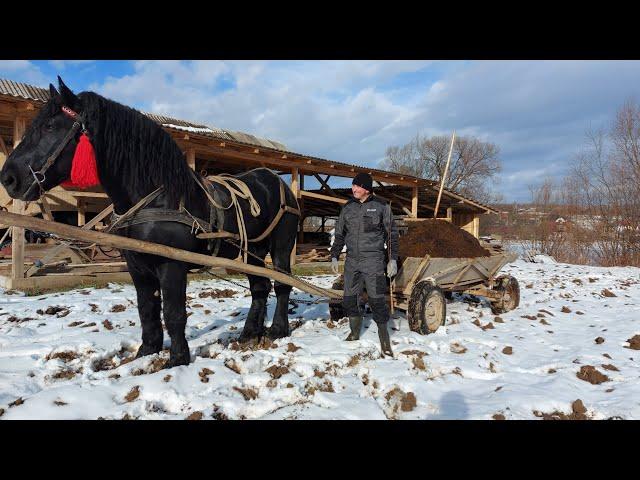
{"x": 473, "y": 163}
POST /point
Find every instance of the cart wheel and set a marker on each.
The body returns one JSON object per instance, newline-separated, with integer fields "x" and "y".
{"x": 427, "y": 308}
{"x": 336, "y": 311}
{"x": 510, "y": 289}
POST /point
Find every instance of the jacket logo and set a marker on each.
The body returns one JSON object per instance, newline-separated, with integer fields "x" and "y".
{"x": 371, "y": 210}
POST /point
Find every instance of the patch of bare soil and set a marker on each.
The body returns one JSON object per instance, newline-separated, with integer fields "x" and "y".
{"x": 498, "y": 416}
{"x": 634, "y": 342}
{"x": 66, "y": 356}
{"x": 418, "y": 363}
{"x": 291, "y": 347}
{"x": 60, "y": 403}
{"x": 578, "y": 412}
{"x": 599, "y": 340}
{"x": 588, "y": 373}
{"x": 133, "y": 394}
{"x": 107, "y": 324}
{"x": 94, "y": 307}
{"x": 217, "y": 293}
{"x": 247, "y": 393}
{"x": 277, "y": 371}
{"x": 218, "y": 414}
{"x": 75, "y": 324}
{"x": 16, "y": 402}
{"x": 265, "y": 343}
{"x": 167, "y": 378}
{"x": 529, "y": 317}
{"x": 608, "y": 293}
{"x": 65, "y": 374}
{"x": 507, "y": 350}
{"x": 14, "y": 319}
{"x": 57, "y": 311}
{"x": 195, "y": 416}
{"x": 118, "y": 308}
{"x": 565, "y": 309}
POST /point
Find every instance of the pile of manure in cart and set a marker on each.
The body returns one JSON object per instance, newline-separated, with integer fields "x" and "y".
{"x": 439, "y": 238}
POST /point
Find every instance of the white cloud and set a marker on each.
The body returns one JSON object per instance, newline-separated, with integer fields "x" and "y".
{"x": 22, "y": 71}
{"x": 351, "y": 111}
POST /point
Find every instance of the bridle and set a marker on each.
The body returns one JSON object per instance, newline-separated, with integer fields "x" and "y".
{"x": 39, "y": 176}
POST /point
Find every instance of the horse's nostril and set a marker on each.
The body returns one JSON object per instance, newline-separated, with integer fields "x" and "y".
{"x": 8, "y": 179}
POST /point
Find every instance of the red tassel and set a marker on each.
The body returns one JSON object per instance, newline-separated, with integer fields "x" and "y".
{"x": 84, "y": 170}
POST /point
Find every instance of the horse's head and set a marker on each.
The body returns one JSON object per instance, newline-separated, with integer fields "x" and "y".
{"x": 31, "y": 167}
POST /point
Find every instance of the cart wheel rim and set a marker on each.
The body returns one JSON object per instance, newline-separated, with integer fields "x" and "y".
{"x": 433, "y": 312}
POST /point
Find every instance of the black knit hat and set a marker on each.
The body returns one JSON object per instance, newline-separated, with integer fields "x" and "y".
{"x": 364, "y": 180}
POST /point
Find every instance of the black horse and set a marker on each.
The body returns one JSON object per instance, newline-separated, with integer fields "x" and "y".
{"x": 135, "y": 156}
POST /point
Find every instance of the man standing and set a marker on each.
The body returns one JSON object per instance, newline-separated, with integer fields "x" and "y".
{"x": 365, "y": 225}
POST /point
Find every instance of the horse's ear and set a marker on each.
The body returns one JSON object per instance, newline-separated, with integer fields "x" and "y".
{"x": 68, "y": 97}
{"x": 55, "y": 95}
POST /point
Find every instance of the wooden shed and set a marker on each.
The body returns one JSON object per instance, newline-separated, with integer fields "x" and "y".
{"x": 207, "y": 149}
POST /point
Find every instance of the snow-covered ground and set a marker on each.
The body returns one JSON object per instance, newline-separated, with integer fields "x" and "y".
{"x": 74, "y": 362}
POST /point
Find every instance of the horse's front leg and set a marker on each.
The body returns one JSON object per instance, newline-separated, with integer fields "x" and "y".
{"x": 148, "y": 292}
{"x": 254, "y": 324}
{"x": 173, "y": 283}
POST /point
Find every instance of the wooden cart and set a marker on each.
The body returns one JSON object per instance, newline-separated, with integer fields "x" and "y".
{"x": 422, "y": 285}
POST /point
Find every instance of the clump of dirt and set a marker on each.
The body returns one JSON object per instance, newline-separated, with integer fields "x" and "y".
{"x": 101, "y": 364}
{"x": 16, "y": 402}
{"x": 418, "y": 363}
{"x": 94, "y": 307}
{"x": 565, "y": 310}
{"x": 291, "y": 347}
{"x": 276, "y": 371}
{"x": 529, "y": 317}
{"x": 398, "y": 399}
{"x": 1, "y": 411}
{"x": 264, "y": 344}
{"x": 507, "y": 350}
{"x": 544, "y": 322}
{"x": 439, "y": 238}
{"x": 60, "y": 403}
{"x": 87, "y": 325}
{"x": 457, "y": 348}
{"x": 578, "y": 412}
{"x": 610, "y": 367}
{"x": 195, "y": 416}
{"x": 634, "y": 342}
{"x": 608, "y": 293}
{"x": 247, "y": 393}
{"x": 66, "y": 356}
{"x": 498, "y": 320}
{"x": 218, "y": 414}
{"x": 217, "y": 293}
{"x": 133, "y": 394}
{"x": 58, "y": 311}
{"x": 167, "y": 378}
{"x": 599, "y": 340}
{"x": 107, "y": 324}
{"x": 118, "y": 308}
{"x": 64, "y": 374}
{"x": 204, "y": 374}
{"x": 353, "y": 361}
{"x": 588, "y": 373}
{"x": 498, "y": 416}
{"x": 14, "y": 319}
{"x": 231, "y": 364}
{"x": 75, "y": 324}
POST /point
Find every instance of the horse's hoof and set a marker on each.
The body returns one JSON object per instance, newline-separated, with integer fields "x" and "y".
{"x": 145, "y": 350}
{"x": 274, "y": 334}
{"x": 176, "y": 362}
{"x": 252, "y": 337}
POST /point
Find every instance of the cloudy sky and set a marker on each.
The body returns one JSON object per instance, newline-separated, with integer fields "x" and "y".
{"x": 537, "y": 112}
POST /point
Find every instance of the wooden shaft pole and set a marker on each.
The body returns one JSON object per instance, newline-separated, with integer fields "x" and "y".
{"x": 444, "y": 177}
{"x": 135, "y": 245}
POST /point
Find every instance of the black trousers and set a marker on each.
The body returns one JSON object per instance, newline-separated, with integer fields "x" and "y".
{"x": 356, "y": 279}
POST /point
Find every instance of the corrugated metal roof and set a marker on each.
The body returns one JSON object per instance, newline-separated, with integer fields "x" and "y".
{"x": 22, "y": 90}
{"x": 29, "y": 92}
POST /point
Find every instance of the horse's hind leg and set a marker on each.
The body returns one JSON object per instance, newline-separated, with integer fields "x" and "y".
{"x": 173, "y": 282}
{"x": 148, "y": 292}
{"x": 260, "y": 287}
{"x": 282, "y": 243}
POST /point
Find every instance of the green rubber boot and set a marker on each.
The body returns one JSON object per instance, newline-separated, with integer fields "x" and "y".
{"x": 385, "y": 341}
{"x": 356, "y": 325}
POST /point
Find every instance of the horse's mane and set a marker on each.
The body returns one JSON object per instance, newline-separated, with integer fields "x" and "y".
{"x": 134, "y": 149}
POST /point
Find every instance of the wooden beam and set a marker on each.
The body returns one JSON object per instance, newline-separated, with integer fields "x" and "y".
{"x": 82, "y": 213}
{"x": 295, "y": 188}
{"x": 304, "y": 193}
{"x": 3, "y": 147}
{"x": 414, "y": 203}
{"x": 325, "y": 185}
{"x": 17, "y": 235}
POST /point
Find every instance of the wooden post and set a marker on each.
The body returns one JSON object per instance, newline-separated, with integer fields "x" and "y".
{"x": 17, "y": 235}
{"x": 191, "y": 158}
{"x": 476, "y": 225}
{"x": 296, "y": 191}
{"x": 444, "y": 176}
{"x": 414, "y": 203}
{"x": 82, "y": 212}
{"x": 450, "y": 215}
